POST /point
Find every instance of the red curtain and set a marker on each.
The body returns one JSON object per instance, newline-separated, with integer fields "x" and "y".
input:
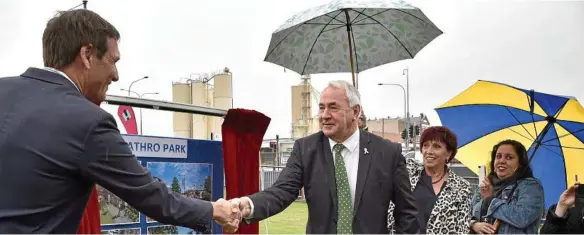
{"x": 242, "y": 134}
{"x": 90, "y": 222}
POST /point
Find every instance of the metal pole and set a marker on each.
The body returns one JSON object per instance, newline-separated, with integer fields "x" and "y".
{"x": 132, "y": 83}
{"x": 141, "y": 117}
{"x": 278, "y": 150}
{"x": 140, "y": 96}
{"x": 405, "y": 102}
{"x": 383, "y": 127}
{"x": 406, "y": 72}
{"x": 164, "y": 105}
{"x": 141, "y": 132}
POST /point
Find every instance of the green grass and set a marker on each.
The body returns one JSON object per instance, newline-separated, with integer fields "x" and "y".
{"x": 290, "y": 221}
{"x": 105, "y": 219}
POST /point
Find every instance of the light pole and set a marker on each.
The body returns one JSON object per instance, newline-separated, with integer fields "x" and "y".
{"x": 141, "y": 95}
{"x": 406, "y": 72}
{"x": 137, "y": 80}
{"x": 405, "y": 108}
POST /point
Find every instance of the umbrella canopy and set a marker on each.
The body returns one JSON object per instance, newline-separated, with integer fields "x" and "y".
{"x": 550, "y": 126}
{"x": 350, "y": 36}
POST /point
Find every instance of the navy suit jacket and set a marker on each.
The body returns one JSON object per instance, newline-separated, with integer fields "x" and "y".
{"x": 55, "y": 145}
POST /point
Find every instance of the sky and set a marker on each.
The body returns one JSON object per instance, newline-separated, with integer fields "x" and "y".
{"x": 195, "y": 173}
{"x": 528, "y": 44}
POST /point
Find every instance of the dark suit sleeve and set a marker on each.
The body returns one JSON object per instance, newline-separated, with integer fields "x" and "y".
{"x": 283, "y": 192}
{"x": 109, "y": 162}
{"x": 405, "y": 206}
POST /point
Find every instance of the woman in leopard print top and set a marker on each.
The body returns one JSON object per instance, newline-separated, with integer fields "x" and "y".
{"x": 442, "y": 197}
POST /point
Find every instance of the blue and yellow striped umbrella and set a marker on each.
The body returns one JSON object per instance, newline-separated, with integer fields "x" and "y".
{"x": 553, "y": 126}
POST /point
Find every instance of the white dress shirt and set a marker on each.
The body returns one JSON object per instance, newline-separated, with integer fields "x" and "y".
{"x": 62, "y": 74}
{"x": 351, "y": 158}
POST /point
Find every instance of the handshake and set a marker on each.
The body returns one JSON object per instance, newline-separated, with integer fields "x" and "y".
{"x": 230, "y": 213}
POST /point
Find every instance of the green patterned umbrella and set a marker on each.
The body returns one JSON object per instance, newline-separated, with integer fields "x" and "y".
{"x": 377, "y": 32}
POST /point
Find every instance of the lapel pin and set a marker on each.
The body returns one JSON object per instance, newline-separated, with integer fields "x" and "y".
{"x": 365, "y": 151}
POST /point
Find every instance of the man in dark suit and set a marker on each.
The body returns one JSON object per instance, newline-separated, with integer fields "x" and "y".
{"x": 349, "y": 175}
{"x": 56, "y": 143}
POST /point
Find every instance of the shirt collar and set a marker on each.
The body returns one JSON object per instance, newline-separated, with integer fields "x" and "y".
{"x": 350, "y": 143}
{"x": 62, "y": 74}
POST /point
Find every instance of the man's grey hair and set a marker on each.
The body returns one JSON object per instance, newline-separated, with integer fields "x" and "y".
{"x": 353, "y": 96}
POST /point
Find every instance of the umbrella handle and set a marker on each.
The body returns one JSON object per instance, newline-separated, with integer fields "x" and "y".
{"x": 496, "y": 224}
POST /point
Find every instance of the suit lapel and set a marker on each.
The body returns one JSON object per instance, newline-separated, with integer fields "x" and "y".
{"x": 366, "y": 152}
{"x": 329, "y": 166}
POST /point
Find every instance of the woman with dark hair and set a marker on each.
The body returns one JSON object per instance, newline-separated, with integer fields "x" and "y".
{"x": 442, "y": 197}
{"x": 509, "y": 200}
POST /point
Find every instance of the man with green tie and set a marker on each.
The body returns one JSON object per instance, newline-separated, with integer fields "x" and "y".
{"x": 349, "y": 175}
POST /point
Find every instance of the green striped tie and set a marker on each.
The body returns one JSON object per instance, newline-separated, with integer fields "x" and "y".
{"x": 344, "y": 208}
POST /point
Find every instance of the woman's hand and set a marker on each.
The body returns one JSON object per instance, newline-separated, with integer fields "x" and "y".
{"x": 483, "y": 228}
{"x": 567, "y": 200}
{"x": 486, "y": 188}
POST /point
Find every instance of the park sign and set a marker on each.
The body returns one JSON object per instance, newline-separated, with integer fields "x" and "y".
{"x": 191, "y": 167}
{"x": 146, "y": 146}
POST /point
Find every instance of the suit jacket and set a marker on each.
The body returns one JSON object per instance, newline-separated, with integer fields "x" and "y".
{"x": 55, "y": 145}
{"x": 381, "y": 178}
{"x": 451, "y": 212}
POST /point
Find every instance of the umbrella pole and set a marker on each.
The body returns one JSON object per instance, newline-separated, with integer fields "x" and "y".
{"x": 350, "y": 47}
{"x": 351, "y": 58}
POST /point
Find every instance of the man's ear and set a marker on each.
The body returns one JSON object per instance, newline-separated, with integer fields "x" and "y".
{"x": 86, "y": 53}
{"x": 357, "y": 111}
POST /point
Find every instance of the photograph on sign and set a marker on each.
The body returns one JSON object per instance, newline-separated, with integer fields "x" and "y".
{"x": 190, "y": 179}
{"x": 121, "y": 231}
{"x": 113, "y": 210}
{"x": 171, "y": 229}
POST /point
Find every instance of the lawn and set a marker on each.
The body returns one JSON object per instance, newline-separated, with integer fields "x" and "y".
{"x": 290, "y": 221}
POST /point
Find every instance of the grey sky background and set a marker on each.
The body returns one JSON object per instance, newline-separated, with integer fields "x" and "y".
{"x": 530, "y": 44}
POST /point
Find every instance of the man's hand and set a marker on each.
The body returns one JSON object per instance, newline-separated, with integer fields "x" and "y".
{"x": 226, "y": 214}
{"x": 243, "y": 205}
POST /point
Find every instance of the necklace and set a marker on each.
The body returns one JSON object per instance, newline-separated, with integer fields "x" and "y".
{"x": 434, "y": 182}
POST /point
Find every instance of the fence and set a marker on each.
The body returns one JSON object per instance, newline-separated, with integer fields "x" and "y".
{"x": 269, "y": 175}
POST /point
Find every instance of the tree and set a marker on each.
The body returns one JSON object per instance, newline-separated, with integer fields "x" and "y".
{"x": 131, "y": 213}
{"x": 175, "y": 186}
{"x": 207, "y": 186}
{"x": 172, "y": 230}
